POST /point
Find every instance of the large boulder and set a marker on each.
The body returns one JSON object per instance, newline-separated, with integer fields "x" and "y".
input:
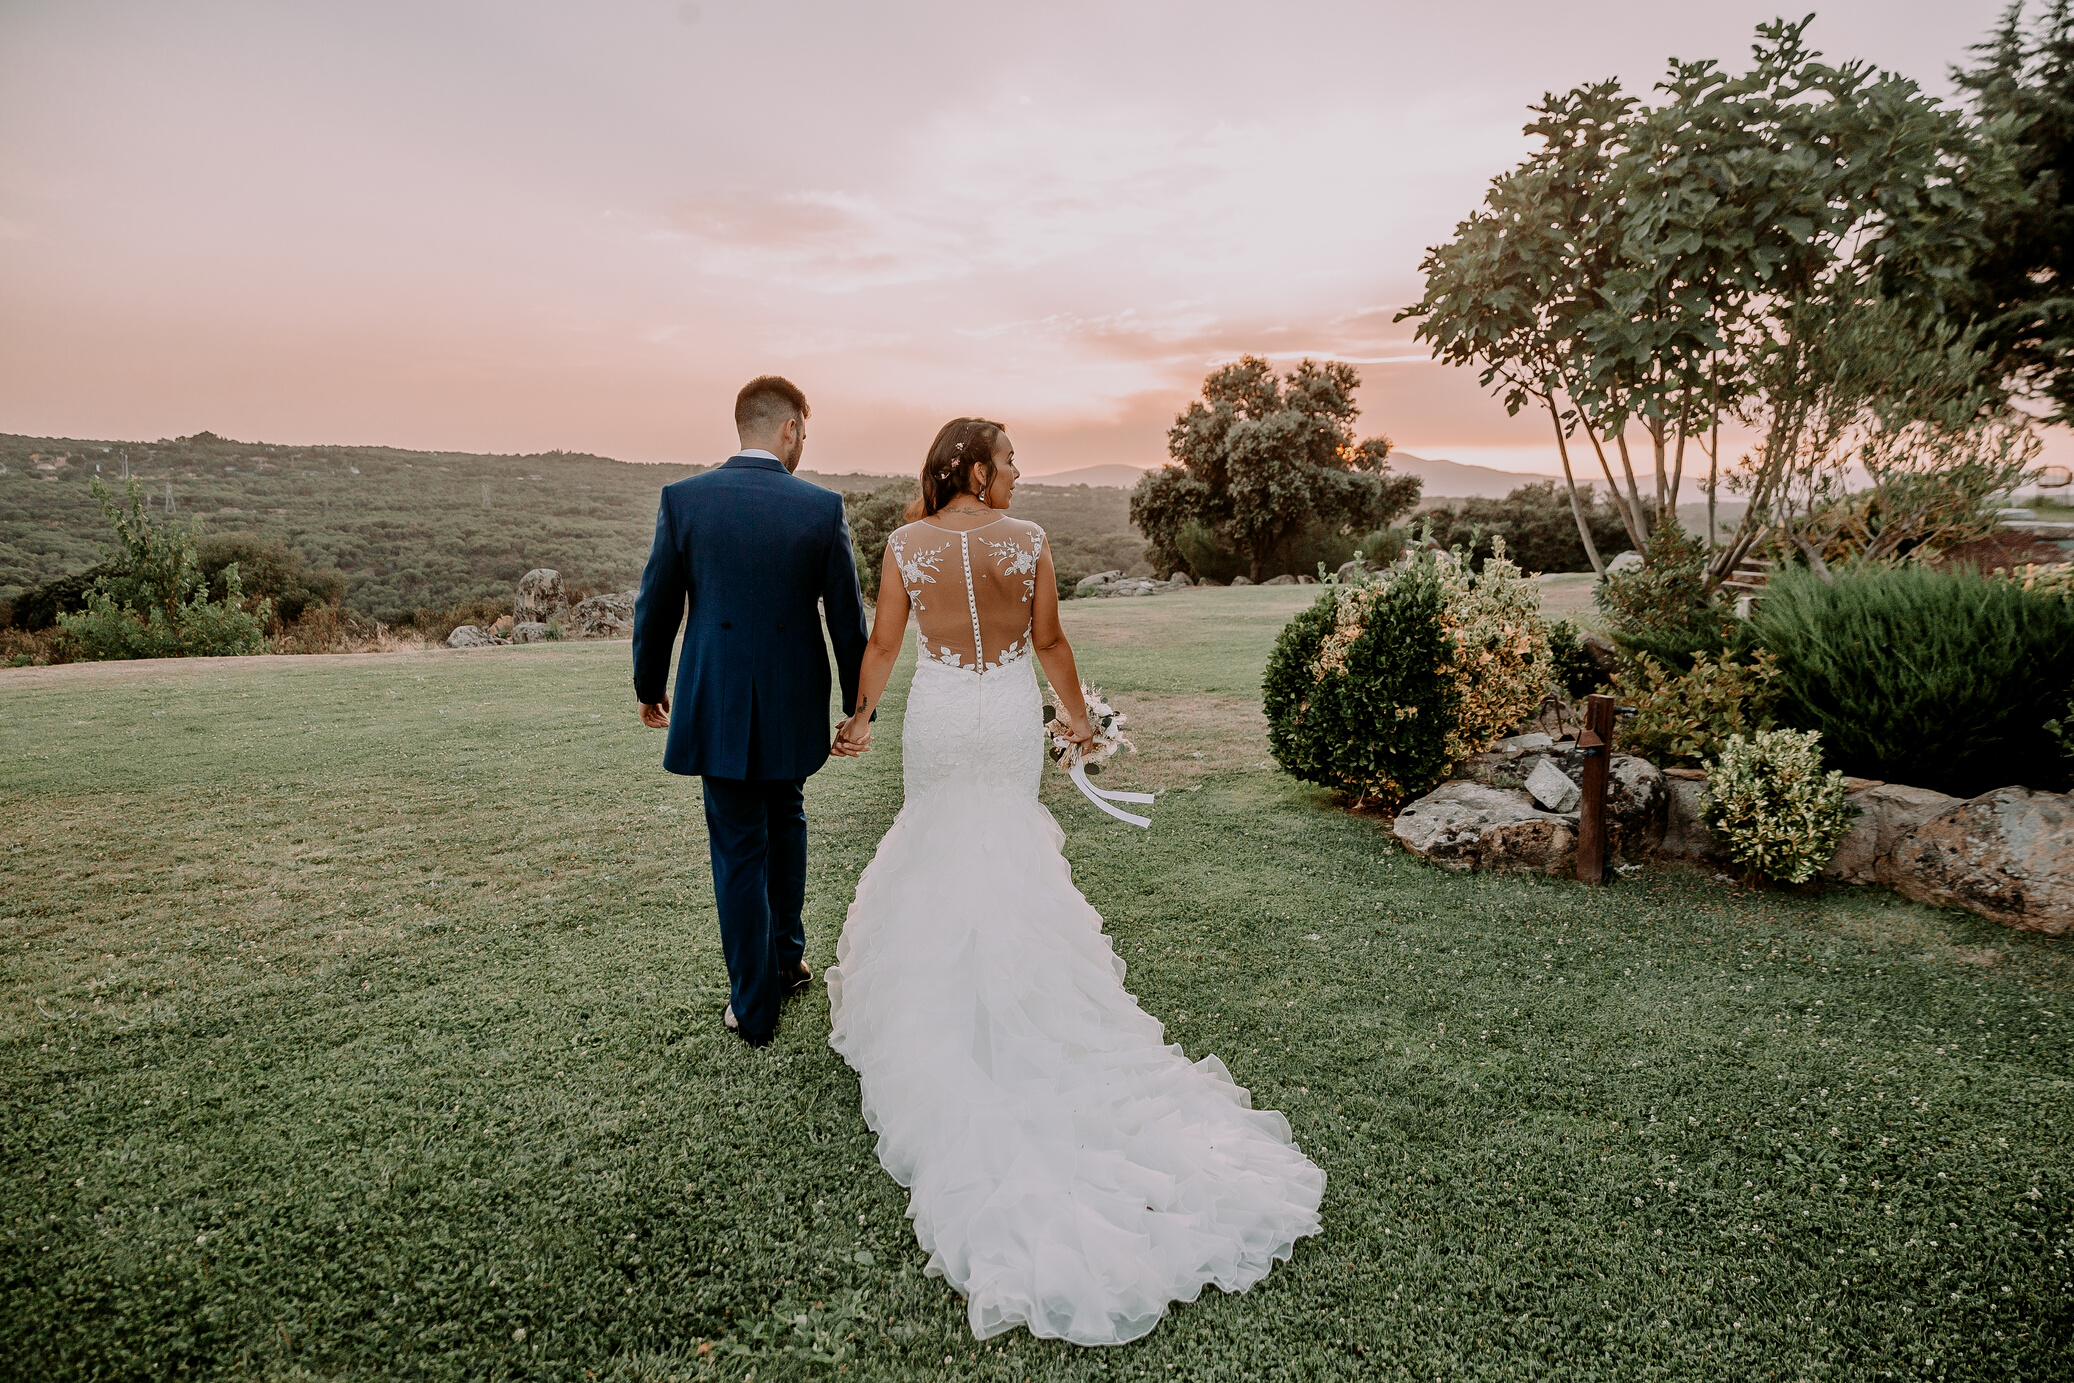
{"x": 2007, "y": 855}
{"x": 607, "y": 616}
{"x": 1092, "y": 585}
{"x": 1285, "y": 579}
{"x": 1242, "y": 580}
{"x": 1181, "y": 578}
{"x": 471, "y": 636}
{"x": 1465, "y": 825}
{"x": 530, "y": 631}
{"x": 1630, "y": 560}
{"x": 1887, "y": 814}
{"x": 541, "y": 598}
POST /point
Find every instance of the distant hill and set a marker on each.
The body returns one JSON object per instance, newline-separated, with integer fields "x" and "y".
{"x": 415, "y": 530}
{"x": 1115, "y": 475}
{"x": 1443, "y": 479}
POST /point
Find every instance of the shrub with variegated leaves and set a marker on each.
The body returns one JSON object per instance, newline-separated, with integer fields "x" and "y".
{"x": 1773, "y": 808}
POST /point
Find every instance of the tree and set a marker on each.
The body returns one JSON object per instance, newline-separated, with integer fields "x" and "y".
{"x": 1652, "y": 268}
{"x": 1258, "y": 459}
{"x": 2021, "y": 288}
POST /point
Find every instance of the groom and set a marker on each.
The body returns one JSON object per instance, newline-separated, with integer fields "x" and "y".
{"x": 742, "y": 554}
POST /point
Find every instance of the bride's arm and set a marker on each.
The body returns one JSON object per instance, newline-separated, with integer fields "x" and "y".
{"x": 1048, "y": 637}
{"x": 888, "y": 630}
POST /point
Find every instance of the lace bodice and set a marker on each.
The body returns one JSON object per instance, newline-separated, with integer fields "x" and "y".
{"x": 973, "y": 592}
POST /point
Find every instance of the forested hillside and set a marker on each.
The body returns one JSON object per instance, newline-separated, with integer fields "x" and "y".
{"x": 413, "y": 530}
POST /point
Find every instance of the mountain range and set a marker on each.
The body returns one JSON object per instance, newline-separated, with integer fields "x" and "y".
{"x": 1443, "y": 479}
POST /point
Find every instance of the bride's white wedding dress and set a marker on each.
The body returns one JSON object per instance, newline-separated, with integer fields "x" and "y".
{"x": 1070, "y": 1170}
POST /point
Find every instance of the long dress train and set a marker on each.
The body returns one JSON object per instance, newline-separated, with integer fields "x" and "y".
{"x": 1070, "y": 1171}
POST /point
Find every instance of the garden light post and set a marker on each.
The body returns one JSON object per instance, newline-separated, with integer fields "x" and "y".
{"x": 1597, "y": 744}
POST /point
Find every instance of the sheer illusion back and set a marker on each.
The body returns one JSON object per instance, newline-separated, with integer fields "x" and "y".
{"x": 973, "y": 591}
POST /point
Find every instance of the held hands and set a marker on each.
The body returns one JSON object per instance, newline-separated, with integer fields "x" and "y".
{"x": 853, "y": 736}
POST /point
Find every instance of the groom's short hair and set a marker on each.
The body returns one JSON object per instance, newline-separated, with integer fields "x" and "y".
{"x": 767, "y": 400}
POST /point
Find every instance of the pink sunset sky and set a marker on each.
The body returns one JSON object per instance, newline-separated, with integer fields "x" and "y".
{"x": 519, "y": 226}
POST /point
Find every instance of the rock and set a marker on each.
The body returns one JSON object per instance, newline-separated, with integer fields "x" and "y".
{"x": 1636, "y": 800}
{"x": 1686, "y": 836}
{"x": 470, "y": 636}
{"x": 529, "y": 631}
{"x": 541, "y": 598}
{"x": 1888, "y": 812}
{"x": 1463, "y": 825}
{"x": 1285, "y": 579}
{"x": 502, "y": 628}
{"x": 1512, "y": 746}
{"x": 1306, "y": 580}
{"x": 1552, "y": 789}
{"x": 1636, "y": 792}
{"x": 1630, "y": 560}
{"x": 1089, "y": 585}
{"x": 1350, "y": 572}
{"x": 607, "y": 616}
{"x": 1210, "y": 581}
{"x": 1600, "y": 649}
{"x": 1181, "y": 578}
{"x": 2007, "y": 855}
{"x": 1242, "y": 580}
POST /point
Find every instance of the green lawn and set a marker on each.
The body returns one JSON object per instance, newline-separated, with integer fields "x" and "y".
{"x": 361, "y": 1021}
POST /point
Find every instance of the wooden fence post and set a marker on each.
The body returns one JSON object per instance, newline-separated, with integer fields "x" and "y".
{"x": 1597, "y": 744}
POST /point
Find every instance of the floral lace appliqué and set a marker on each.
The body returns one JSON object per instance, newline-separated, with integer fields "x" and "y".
{"x": 1017, "y": 560}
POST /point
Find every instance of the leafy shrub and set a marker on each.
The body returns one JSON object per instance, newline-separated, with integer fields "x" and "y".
{"x": 1385, "y": 683}
{"x": 38, "y": 608}
{"x": 1683, "y": 717}
{"x": 1206, "y": 560}
{"x": 268, "y": 571}
{"x": 1665, "y": 609}
{"x": 1773, "y": 808}
{"x": 155, "y": 604}
{"x": 1535, "y": 524}
{"x": 873, "y": 515}
{"x": 1942, "y": 679}
{"x": 1354, "y": 691}
{"x": 1497, "y": 647}
{"x": 1573, "y": 671}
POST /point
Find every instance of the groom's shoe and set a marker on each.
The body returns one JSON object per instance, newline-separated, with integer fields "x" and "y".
{"x": 796, "y": 980}
{"x": 734, "y": 1026}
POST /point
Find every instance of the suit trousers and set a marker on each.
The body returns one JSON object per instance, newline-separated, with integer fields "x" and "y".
{"x": 757, "y": 833}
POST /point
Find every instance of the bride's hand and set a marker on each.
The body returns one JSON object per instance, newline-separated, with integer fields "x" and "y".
{"x": 1080, "y": 731}
{"x": 852, "y": 737}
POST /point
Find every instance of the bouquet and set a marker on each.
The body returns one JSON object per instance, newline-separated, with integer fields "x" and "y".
{"x": 1081, "y": 760}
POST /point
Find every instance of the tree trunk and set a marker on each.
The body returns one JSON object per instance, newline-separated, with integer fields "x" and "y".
{"x": 1584, "y": 528}
{"x": 1627, "y": 466}
{"x": 1636, "y": 535}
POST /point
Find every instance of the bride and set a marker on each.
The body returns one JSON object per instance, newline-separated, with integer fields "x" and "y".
{"x": 1069, "y": 1170}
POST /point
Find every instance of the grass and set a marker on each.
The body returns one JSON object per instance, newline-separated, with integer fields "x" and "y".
{"x": 361, "y": 1022}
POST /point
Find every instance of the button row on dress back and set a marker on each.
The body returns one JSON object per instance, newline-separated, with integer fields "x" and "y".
{"x": 979, "y": 657}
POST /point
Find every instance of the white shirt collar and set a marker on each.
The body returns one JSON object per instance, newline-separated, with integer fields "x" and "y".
{"x": 756, "y": 451}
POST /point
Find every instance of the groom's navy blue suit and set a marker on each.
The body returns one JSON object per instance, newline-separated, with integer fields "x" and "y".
{"x": 742, "y": 554}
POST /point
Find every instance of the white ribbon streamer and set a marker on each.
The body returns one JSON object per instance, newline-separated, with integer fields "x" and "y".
{"x": 1078, "y": 773}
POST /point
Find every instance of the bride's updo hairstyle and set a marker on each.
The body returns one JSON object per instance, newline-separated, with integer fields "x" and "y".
{"x": 964, "y": 445}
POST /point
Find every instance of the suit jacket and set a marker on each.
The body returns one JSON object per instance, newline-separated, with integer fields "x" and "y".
{"x": 741, "y": 555}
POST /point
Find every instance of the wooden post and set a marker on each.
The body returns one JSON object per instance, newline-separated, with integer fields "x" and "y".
{"x": 1597, "y": 744}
